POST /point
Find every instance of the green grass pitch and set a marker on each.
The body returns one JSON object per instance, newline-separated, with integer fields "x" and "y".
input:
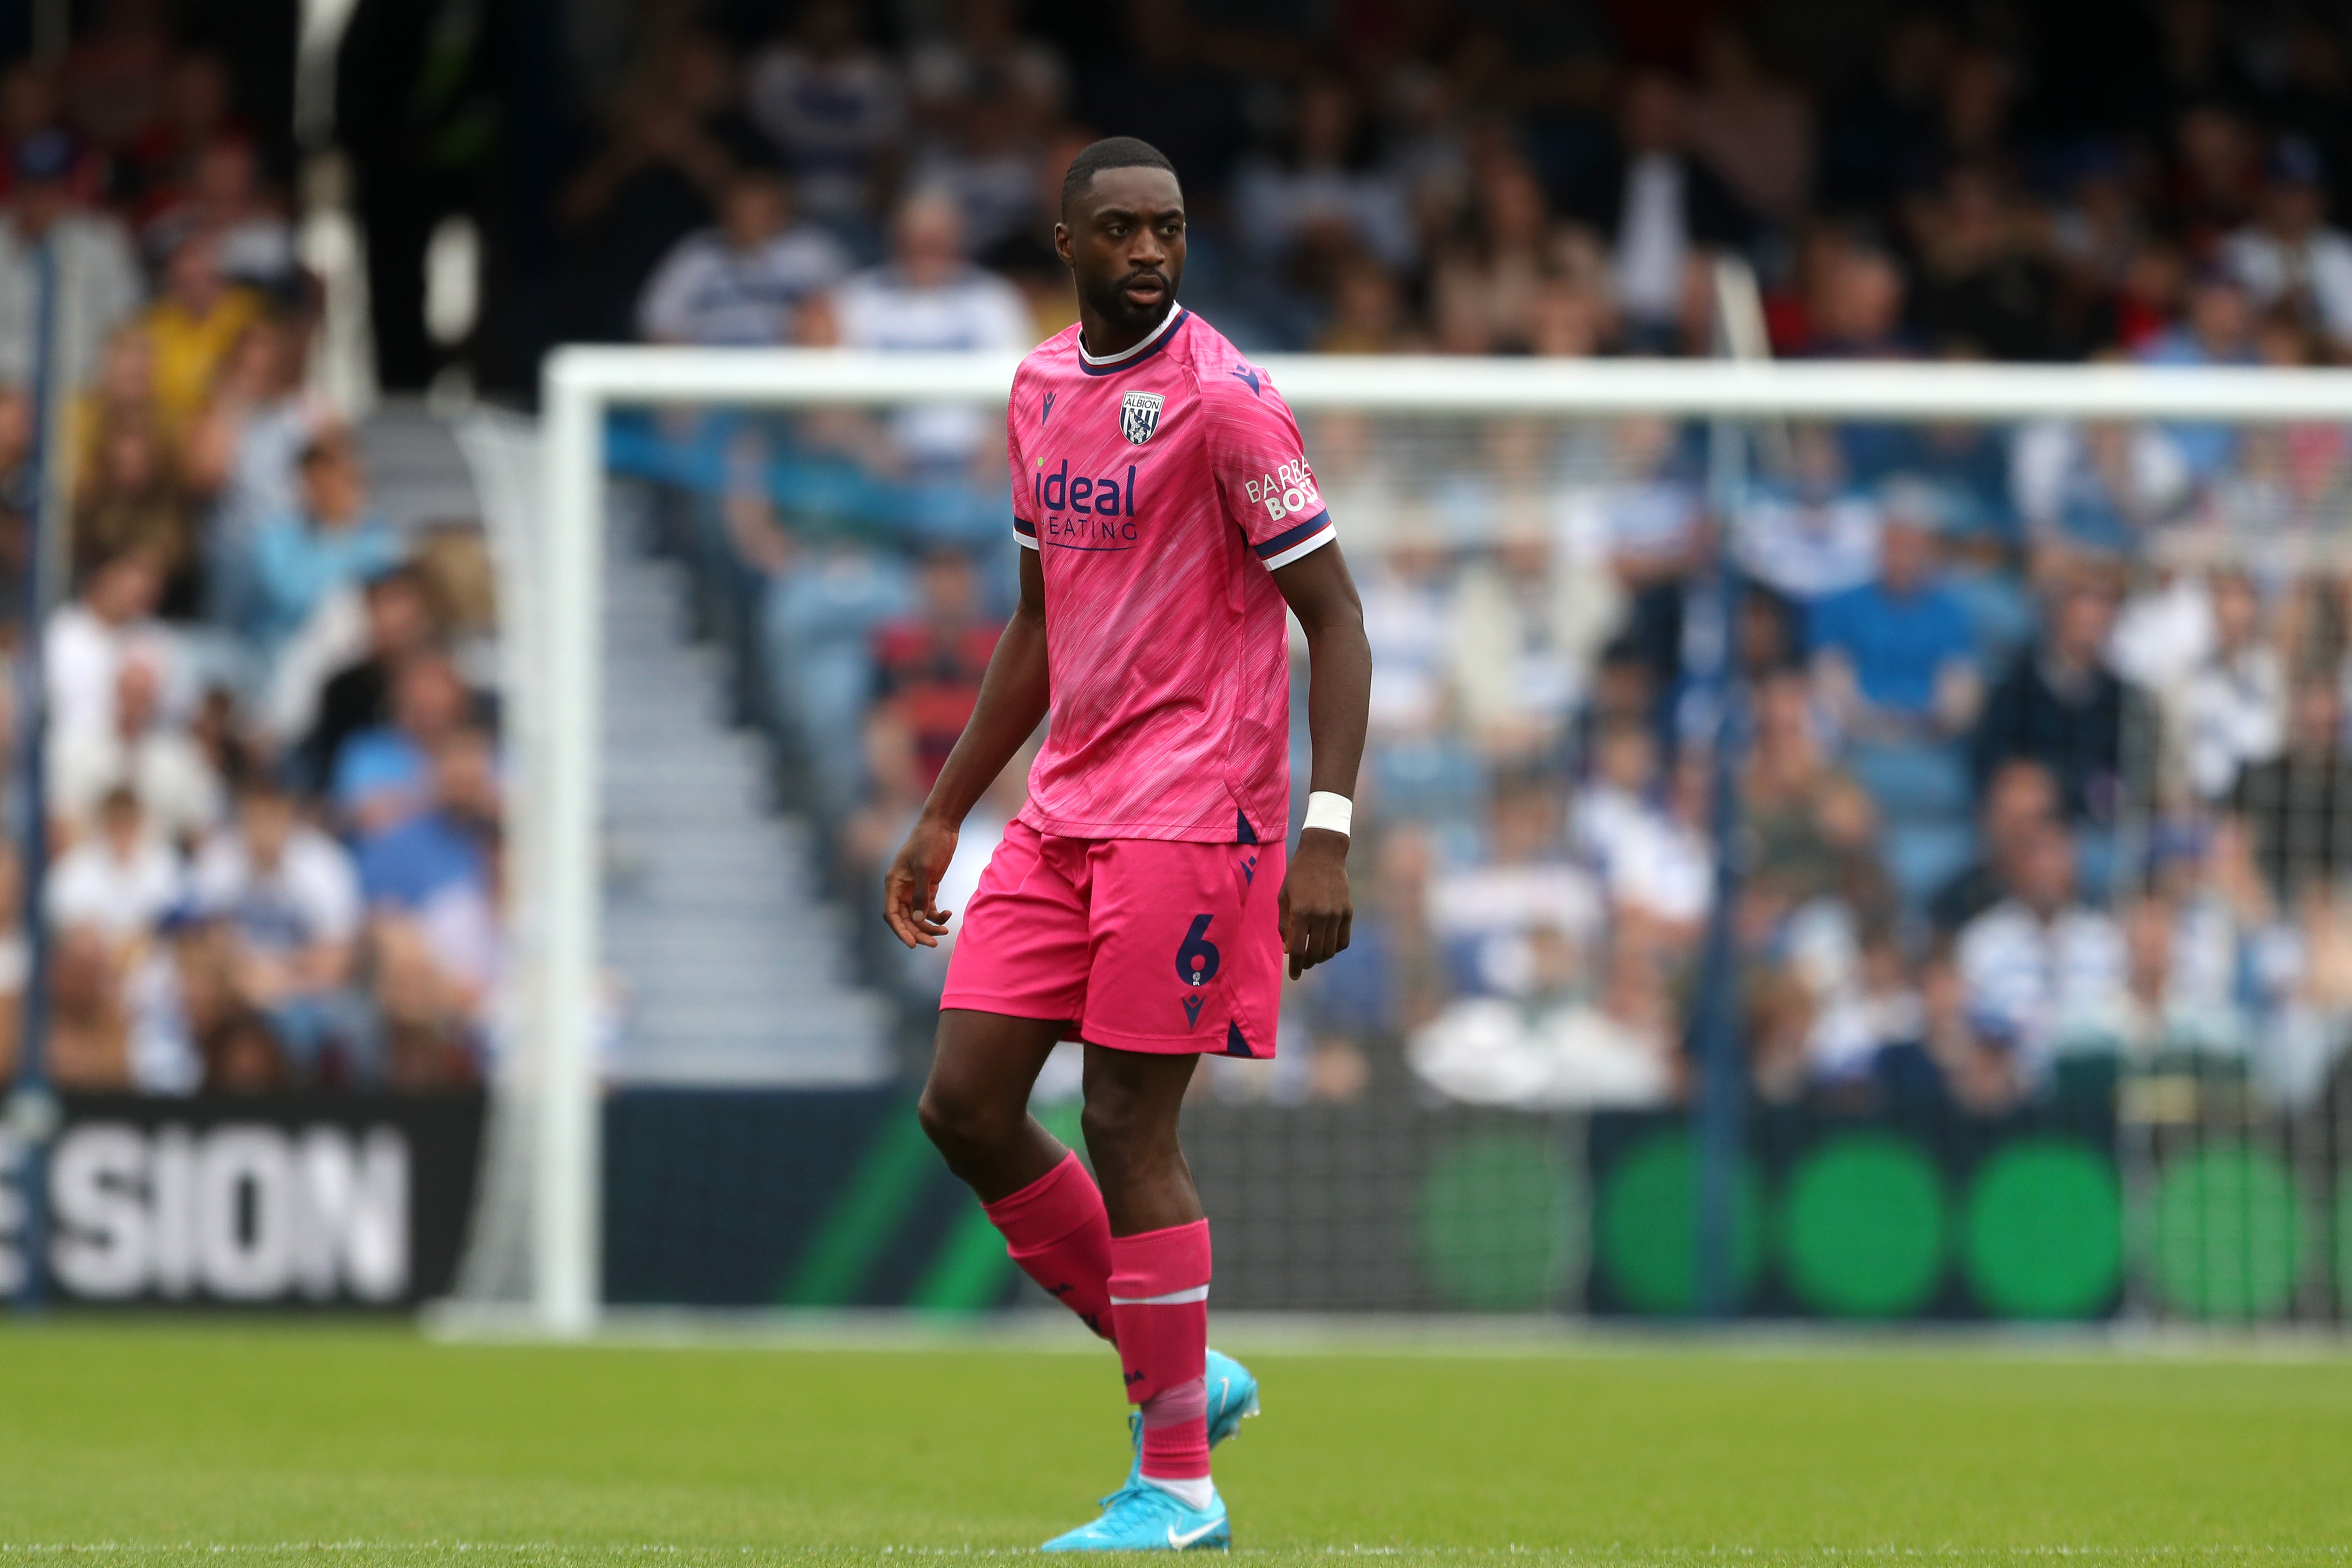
{"x": 136, "y": 1442}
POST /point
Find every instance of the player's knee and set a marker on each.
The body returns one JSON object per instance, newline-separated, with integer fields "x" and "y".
{"x": 1101, "y": 1126}
{"x": 1119, "y": 1128}
{"x": 961, "y": 1124}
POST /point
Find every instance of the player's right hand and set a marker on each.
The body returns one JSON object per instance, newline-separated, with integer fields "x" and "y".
{"x": 910, "y": 891}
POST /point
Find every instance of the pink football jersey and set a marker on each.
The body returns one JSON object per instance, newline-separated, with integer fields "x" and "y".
{"x": 1161, "y": 487}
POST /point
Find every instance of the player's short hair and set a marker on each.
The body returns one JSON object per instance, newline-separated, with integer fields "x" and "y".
{"x": 1110, "y": 152}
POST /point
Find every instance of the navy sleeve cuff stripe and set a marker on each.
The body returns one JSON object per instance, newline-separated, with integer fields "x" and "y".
{"x": 1299, "y": 535}
{"x": 1024, "y": 526}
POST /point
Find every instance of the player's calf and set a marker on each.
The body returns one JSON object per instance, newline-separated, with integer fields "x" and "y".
{"x": 976, "y": 1108}
{"x": 1055, "y": 1229}
{"x": 1133, "y": 1101}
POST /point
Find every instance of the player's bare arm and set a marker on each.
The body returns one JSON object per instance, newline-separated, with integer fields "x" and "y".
{"x": 1316, "y": 912}
{"x": 1013, "y": 698}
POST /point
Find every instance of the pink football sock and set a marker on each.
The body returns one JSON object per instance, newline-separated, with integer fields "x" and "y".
{"x": 1056, "y": 1229}
{"x": 1176, "y": 1433}
{"x": 1160, "y": 1300}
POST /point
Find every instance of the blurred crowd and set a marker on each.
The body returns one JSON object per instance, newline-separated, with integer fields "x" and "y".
{"x": 269, "y": 789}
{"x": 2024, "y": 800}
{"x": 1493, "y": 176}
{"x": 2027, "y": 794}
{"x": 2033, "y": 737}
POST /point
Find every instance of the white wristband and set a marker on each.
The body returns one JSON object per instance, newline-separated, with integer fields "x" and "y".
{"x": 1332, "y": 813}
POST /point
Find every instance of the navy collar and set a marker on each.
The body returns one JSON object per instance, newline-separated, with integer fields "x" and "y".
{"x": 1111, "y": 364}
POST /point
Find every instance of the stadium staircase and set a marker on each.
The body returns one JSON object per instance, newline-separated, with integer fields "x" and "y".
{"x": 729, "y": 967}
{"x": 737, "y": 973}
{"x": 415, "y": 471}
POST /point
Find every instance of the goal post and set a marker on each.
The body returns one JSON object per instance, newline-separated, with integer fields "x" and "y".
{"x": 583, "y": 386}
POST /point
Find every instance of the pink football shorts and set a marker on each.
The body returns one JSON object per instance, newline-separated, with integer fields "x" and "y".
{"x": 1143, "y": 944}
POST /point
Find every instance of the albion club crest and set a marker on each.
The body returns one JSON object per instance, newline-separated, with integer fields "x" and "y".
{"x": 1139, "y": 415}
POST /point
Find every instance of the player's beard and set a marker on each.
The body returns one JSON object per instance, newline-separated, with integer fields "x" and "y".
{"x": 1110, "y": 302}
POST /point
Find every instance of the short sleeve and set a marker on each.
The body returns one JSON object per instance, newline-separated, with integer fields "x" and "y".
{"x": 1004, "y": 317}
{"x": 328, "y": 887}
{"x": 1024, "y": 530}
{"x": 1261, "y": 468}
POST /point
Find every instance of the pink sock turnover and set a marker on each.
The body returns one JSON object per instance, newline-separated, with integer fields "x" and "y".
{"x": 1159, "y": 1301}
{"x": 1055, "y": 1229}
{"x": 1176, "y": 1432}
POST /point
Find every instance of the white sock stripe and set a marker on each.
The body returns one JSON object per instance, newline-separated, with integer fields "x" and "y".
{"x": 1172, "y": 1299}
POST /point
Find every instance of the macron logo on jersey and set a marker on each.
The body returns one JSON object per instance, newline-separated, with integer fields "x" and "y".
{"x": 1248, "y": 378}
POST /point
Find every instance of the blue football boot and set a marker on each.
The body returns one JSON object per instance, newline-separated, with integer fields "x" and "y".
{"x": 1233, "y": 1395}
{"x": 1142, "y": 1518}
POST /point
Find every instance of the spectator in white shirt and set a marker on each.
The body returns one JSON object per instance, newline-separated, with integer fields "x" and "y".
{"x": 990, "y": 166}
{"x": 89, "y": 640}
{"x": 1324, "y": 199}
{"x": 1567, "y": 1041}
{"x": 927, "y": 299}
{"x": 1664, "y": 867}
{"x": 92, "y": 251}
{"x": 225, "y": 198}
{"x": 982, "y": 54}
{"x": 291, "y": 900}
{"x": 160, "y": 764}
{"x": 741, "y": 284}
{"x": 1664, "y": 209}
{"x": 1654, "y": 863}
{"x": 246, "y": 448}
{"x": 1648, "y": 514}
{"x": 1408, "y": 597}
{"x": 287, "y": 889}
{"x": 1526, "y": 623}
{"x": 1486, "y": 914}
{"x": 1621, "y": 796}
{"x": 1814, "y": 535}
{"x": 2233, "y": 707}
{"x": 930, "y": 300}
{"x": 2181, "y": 959}
{"x": 2040, "y": 967}
{"x": 2102, "y": 484}
{"x": 984, "y": 99}
{"x": 834, "y": 106}
{"x": 2289, "y": 255}
{"x": 120, "y": 879}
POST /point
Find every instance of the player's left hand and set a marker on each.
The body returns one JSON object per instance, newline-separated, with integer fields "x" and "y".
{"x": 1316, "y": 912}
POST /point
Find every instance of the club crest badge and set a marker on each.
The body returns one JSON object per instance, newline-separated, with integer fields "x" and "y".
{"x": 1139, "y": 415}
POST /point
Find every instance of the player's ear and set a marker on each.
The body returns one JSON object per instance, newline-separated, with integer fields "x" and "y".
{"x": 1062, "y": 245}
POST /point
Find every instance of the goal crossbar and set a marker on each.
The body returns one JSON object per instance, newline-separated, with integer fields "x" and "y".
{"x": 582, "y": 384}
{"x": 1421, "y": 383}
